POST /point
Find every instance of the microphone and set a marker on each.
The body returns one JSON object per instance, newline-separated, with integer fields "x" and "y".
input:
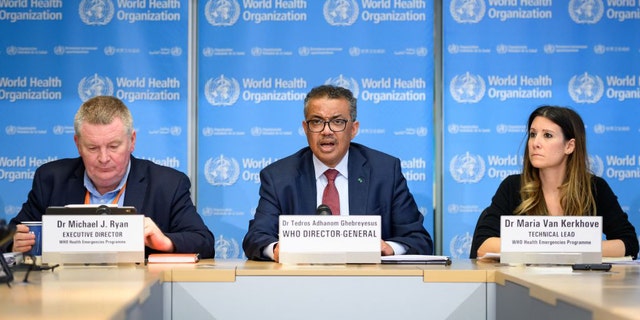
{"x": 323, "y": 210}
{"x": 103, "y": 210}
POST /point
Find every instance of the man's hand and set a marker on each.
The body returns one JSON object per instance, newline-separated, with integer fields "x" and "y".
{"x": 22, "y": 239}
{"x": 386, "y": 249}
{"x": 154, "y": 238}
{"x": 276, "y": 252}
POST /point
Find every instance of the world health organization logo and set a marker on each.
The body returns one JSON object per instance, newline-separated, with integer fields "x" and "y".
{"x": 467, "y": 168}
{"x": 596, "y": 165}
{"x": 467, "y": 88}
{"x": 460, "y": 246}
{"x": 599, "y": 128}
{"x": 222, "y": 91}
{"x": 94, "y": 85}
{"x": 222, "y": 13}
{"x": 586, "y": 88}
{"x": 227, "y": 248}
{"x": 599, "y": 49}
{"x": 588, "y": 12}
{"x": 340, "y": 12}
{"x": 347, "y": 83}
{"x": 221, "y": 171}
{"x": 96, "y": 12}
{"x": 12, "y": 50}
{"x": 467, "y": 11}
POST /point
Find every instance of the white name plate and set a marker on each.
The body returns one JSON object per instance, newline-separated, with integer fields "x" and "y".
{"x": 93, "y": 238}
{"x": 329, "y": 239}
{"x": 551, "y": 239}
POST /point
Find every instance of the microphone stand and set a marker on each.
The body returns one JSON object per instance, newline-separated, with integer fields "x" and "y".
{"x": 6, "y": 234}
{"x": 6, "y": 275}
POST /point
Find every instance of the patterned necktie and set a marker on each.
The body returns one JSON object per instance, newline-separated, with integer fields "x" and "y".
{"x": 330, "y": 195}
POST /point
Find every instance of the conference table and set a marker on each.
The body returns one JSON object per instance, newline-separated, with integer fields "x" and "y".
{"x": 240, "y": 289}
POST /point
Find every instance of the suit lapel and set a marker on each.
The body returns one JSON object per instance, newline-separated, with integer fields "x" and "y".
{"x": 75, "y": 187}
{"x": 306, "y": 184}
{"x": 136, "y": 185}
{"x": 359, "y": 179}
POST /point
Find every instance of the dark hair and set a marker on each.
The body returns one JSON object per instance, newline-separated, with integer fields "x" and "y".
{"x": 576, "y": 196}
{"x": 332, "y": 92}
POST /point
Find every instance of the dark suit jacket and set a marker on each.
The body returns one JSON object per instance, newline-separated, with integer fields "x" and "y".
{"x": 160, "y": 193}
{"x": 376, "y": 187}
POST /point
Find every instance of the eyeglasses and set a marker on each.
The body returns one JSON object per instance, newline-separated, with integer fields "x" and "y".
{"x": 335, "y": 125}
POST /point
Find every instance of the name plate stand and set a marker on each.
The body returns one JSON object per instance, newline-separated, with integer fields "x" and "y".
{"x": 329, "y": 239}
{"x": 93, "y": 239}
{"x": 551, "y": 239}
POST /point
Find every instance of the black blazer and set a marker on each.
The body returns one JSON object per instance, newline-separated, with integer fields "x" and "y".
{"x": 160, "y": 193}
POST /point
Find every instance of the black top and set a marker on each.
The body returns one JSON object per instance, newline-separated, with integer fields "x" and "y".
{"x": 615, "y": 222}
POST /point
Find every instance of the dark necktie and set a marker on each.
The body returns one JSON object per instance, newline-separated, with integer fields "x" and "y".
{"x": 330, "y": 195}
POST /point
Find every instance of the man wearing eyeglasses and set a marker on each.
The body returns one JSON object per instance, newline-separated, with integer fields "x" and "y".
{"x": 367, "y": 181}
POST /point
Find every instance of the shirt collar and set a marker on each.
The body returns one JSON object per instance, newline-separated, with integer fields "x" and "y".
{"x": 342, "y": 166}
{"x": 94, "y": 191}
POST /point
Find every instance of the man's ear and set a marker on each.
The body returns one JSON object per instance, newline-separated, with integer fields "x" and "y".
{"x": 354, "y": 129}
{"x": 133, "y": 141}
{"x": 76, "y": 140}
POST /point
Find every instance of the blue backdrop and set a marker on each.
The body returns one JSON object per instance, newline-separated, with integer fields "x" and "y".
{"x": 256, "y": 62}
{"x": 502, "y": 59}
{"x": 57, "y": 54}
{"x": 216, "y": 90}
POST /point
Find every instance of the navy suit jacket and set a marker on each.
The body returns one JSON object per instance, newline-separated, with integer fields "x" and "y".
{"x": 376, "y": 187}
{"x": 160, "y": 193}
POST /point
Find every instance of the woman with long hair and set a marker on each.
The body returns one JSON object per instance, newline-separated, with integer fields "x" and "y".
{"x": 556, "y": 181}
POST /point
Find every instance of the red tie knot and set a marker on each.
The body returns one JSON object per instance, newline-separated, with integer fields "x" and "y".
{"x": 331, "y": 174}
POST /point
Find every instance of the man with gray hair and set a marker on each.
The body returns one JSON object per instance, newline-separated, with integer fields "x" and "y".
{"x": 107, "y": 173}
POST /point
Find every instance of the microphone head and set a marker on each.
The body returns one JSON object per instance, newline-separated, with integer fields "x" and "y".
{"x": 103, "y": 210}
{"x": 323, "y": 210}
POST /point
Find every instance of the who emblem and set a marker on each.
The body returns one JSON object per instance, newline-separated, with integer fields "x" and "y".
{"x": 586, "y": 88}
{"x": 467, "y": 168}
{"x": 344, "y": 82}
{"x": 221, "y": 171}
{"x": 467, "y": 88}
{"x": 596, "y": 165}
{"x": 586, "y": 12}
{"x": 467, "y": 11}
{"x": 340, "y": 12}
{"x": 460, "y": 246}
{"x": 96, "y": 12}
{"x": 93, "y": 86}
{"x": 222, "y": 91}
{"x": 227, "y": 248}
{"x": 222, "y": 13}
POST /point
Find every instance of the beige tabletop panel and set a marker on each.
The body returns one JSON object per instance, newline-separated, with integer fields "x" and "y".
{"x": 107, "y": 292}
{"x": 76, "y": 293}
{"x": 206, "y": 270}
{"x": 609, "y": 295}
